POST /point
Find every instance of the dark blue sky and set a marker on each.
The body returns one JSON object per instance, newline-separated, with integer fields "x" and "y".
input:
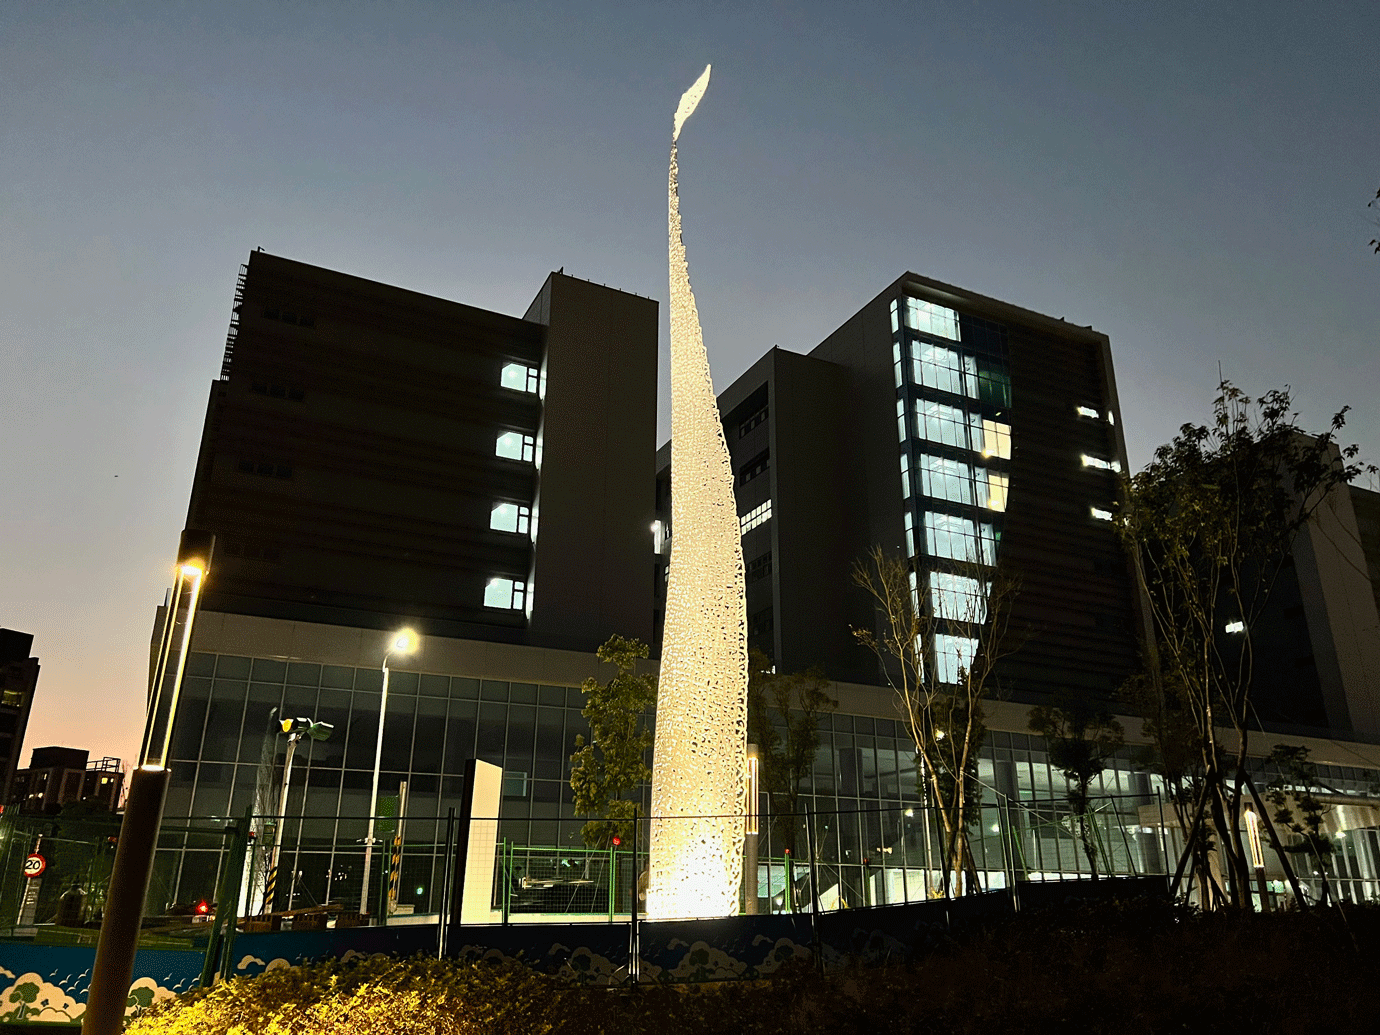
{"x": 1189, "y": 178}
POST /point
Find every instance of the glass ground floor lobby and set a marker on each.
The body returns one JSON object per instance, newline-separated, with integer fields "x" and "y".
{"x": 861, "y": 819}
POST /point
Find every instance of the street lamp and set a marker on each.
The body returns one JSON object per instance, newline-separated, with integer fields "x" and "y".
{"x": 1257, "y": 857}
{"x": 403, "y": 642}
{"x": 295, "y": 729}
{"x": 148, "y": 788}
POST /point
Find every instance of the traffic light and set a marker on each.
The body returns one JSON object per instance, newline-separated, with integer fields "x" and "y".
{"x": 617, "y": 840}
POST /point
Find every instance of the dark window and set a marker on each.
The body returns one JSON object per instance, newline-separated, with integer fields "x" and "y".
{"x": 761, "y": 623}
{"x": 752, "y": 422}
{"x": 757, "y": 465}
{"x": 265, "y": 468}
{"x": 758, "y": 568}
{"x": 289, "y": 316}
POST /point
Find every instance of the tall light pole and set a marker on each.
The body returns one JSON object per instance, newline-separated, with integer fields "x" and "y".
{"x": 148, "y": 787}
{"x": 403, "y": 642}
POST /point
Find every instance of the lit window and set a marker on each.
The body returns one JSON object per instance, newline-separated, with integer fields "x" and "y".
{"x": 895, "y": 317}
{"x": 1100, "y": 464}
{"x": 957, "y": 597}
{"x": 953, "y": 655}
{"x": 901, "y": 418}
{"x": 905, "y": 476}
{"x": 931, "y": 319}
{"x": 754, "y": 517}
{"x": 910, "y": 534}
{"x": 992, "y": 488}
{"x": 1088, "y": 411}
{"x": 510, "y": 517}
{"x": 943, "y": 479}
{"x": 936, "y": 422}
{"x": 1236, "y": 627}
{"x": 959, "y": 539}
{"x": 520, "y": 378}
{"x": 516, "y": 446}
{"x": 1101, "y": 515}
{"x": 896, "y": 364}
{"x": 996, "y": 439}
{"x": 934, "y": 366}
{"x": 507, "y": 594}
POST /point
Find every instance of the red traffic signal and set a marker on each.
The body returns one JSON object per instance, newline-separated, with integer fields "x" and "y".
{"x": 617, "y": 840}
{"x": 202, "y": 907}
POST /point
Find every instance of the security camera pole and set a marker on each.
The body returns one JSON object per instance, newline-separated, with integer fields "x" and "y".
{"x": 148, "y": 787}
{"x": 295, "y": 729}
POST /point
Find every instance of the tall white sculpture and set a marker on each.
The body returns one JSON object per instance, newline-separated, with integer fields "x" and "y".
{"x": 701, "y": 715}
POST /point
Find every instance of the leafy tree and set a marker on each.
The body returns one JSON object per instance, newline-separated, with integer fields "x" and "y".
{"x": 1210, "y": 523}
{"x": 941, "y": 698}
{"x": 1082, "y": 737}
{"x": 605, "y": 771}
{"x": 783, "y": 721}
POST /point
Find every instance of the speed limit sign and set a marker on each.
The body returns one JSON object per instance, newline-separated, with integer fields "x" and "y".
{"x": 34, "y": 866}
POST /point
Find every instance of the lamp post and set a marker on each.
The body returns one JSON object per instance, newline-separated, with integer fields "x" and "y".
{"x": 148, "y": 787}
{"x": 403, "y": 642}
{"x": 751, "y": 829}
{"x": 1257, "y": 857}
{"x": 295, "y": 729}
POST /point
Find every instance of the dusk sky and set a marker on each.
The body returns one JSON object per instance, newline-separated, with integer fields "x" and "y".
{"x": 1189, "y": 178}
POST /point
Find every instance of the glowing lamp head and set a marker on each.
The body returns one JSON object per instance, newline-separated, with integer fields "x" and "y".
{"x": 202, "y": 908}
{"x": 404, "y": 642}
{"x": 191, "y": 570}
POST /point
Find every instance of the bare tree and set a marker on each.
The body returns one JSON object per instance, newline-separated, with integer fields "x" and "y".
{"x": 939, "y": 636}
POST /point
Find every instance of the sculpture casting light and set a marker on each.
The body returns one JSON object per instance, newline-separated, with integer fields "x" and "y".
{"x": 701, "y": 717}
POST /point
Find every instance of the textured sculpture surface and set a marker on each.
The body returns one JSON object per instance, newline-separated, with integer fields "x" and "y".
{"x": 699, "y": 763}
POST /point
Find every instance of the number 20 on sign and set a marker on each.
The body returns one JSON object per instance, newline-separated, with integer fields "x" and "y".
{"x": 34, "y": 866}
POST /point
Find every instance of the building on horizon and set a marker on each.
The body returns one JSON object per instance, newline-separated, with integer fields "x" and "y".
{"x": 59, "y": 776}
{"x": 18, "y": 680}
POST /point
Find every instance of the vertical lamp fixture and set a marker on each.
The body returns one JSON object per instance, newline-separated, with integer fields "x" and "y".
{"x": 1257, "y": 856}
{"x": 403, "y": 642}
{"x": 148, "y": 787}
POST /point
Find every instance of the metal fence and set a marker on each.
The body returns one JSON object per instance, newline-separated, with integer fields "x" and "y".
{"x": 309, "y": 872}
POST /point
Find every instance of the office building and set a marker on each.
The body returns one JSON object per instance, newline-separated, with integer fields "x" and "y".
{"x": 957, "y": 430}
{"x": 18, "y": 680}
{"x": 375, "y": 458}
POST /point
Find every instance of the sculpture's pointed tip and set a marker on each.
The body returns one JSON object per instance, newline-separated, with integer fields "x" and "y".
{"x": 689, "y": 100}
